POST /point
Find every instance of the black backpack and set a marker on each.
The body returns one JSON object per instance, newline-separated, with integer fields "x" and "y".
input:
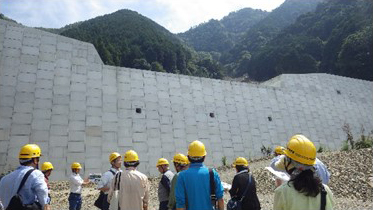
{"x": 16, "y": 202}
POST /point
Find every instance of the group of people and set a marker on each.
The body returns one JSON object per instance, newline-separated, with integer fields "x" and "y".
{"x": 194, "y": 186}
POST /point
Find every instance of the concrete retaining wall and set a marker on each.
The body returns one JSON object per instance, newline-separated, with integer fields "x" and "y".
{"x": 56, "y": 92}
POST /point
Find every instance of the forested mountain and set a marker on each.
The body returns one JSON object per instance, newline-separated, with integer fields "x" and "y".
{"x": 263, "y": 31}
{"x": 126, "y": 38}
{"x": 336, "y": 38}
{"x": 219, "y": 36}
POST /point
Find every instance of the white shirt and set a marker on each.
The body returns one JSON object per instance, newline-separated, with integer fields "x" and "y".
{"x": 76, "y": 183}
{"x": 106, "y": 178}
{"x": 34, "y": 189}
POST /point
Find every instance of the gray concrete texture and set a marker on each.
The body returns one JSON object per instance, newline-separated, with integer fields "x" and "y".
{"x": 56, "y": 92}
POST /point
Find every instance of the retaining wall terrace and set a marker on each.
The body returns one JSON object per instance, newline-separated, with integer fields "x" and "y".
{"x": 56, "y": 92}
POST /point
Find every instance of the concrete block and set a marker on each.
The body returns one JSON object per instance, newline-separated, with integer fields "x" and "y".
{"x": 94, "y": 102}
{"x": 38, "y": 136}
{"x": 110, "y": 90}
{"x": 8, "y": 80}
{"x": 58, "y": 154}
{"x": 110, "y": 107}
{"x": 59, "y": 120}
{"x": 76, "y": 125}
{"x": 59, "y": 130}
{"x": 48, "y": 48}
{"x": 93, "y": 131}
{"x": 40, "y": 124}
{"x": 30, "y": 41}
{"x": 60, "y": 109}
{"x": 41, "y": 74}
{"x": 94, "y": 111}
{"x": 11, "y": 34}
{"x": 63, "y": 63}
{"x": 42, "y": 103}
{"x": 18, "y": 141}
{"x": 109, "y": 147}
{"x": 94, "y": 75}
{"x": 94, "y": 121}
{"x": 110, "y": 126}
{"x": 7, "y": 102}
{"x": 76, "y": 146}
{"x": 29, "y": 61}
{"x": 110, "y": 117}
{"x": 140, "y": 147}
{"x": 79, "y": 78}
{"x": 41, "y": 113}
{"x": 48, "y": 66}
{"x": 78, "y": 87}
{"x": 10, "y": 43}
{"x": 125, "y": 142}
{"x": 64, "y": 46}
{"x": 49, "y": 39}
{"x": 78, "y": 96}
{"x": 29, "y": 50}
{"x": 152, "y": 124}
{"x": 139, "y": 137}
{"x": 22, "y": 118}
{"x": 24, "y": 97}
{"x": 58, "y": 141}
{"x": 96, "y": 93}
{"x": 95, "y": 84}
{"x": 93, "y": 162}
{"x": 45, "y": 56}
{"x": 7, "y": 91}
{"x": 91, "y": 151}
{"x": 25, "y": 87}
{"x": 76, "y": 157}
{"x": 61, "y": 99}
{"x": 93, "y": 141}
{"x": 44, "y": 93}
{"x": 77, "y": 105}
{"x": 20, "y": 129}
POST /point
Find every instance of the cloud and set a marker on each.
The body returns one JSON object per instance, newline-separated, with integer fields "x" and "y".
{"x": 175, "y": 15}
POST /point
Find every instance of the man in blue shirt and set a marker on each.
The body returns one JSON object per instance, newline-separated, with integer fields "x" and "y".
{"x": 35, "y": 189}
{"x": 193, "y": 185}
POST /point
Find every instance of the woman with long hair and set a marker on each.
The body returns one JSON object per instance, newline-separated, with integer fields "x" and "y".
{"x": 304, "y": 190}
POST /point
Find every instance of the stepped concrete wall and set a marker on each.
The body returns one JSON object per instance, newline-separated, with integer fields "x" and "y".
{"x": 56, "y": 92}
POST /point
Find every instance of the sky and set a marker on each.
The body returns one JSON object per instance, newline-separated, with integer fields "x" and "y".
{"x": 175, "y": 15}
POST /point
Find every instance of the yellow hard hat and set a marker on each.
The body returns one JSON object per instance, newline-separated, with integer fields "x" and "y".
{"x": 279, "y": 150}
{"x": 240, "y": 161}
{"x": 76, "y": 165}
{"x": 162, "y": 161}
{"x": 29, "y": 151}
{"x": 180, "y": 158}
{"x": 301, "y": 149}
{"x": 130, "y": 156}
{"x": 196, "y": 149}
{"x": 113, "y": 156}
{"x": 47, "y": 166}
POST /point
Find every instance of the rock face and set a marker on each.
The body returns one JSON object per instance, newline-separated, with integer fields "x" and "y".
{"x": 350, "y": 176}
{"x": 55, "y": 91}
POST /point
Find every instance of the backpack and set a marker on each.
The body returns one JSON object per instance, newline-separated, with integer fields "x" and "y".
{"x": 16, "y": 202}
{"x": 212, "y": 190}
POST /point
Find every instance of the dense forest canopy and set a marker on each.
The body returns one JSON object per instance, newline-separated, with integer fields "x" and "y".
{"x": 328, "y": 36}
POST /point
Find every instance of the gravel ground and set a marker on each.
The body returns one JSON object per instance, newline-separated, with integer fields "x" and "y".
{"x": 351, "y": 182}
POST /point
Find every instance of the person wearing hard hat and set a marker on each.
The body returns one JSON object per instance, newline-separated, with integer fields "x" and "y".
{"x": 34, "y": 190}
{"x": 133, "y": 185}
{"x": 115, "y": 159}
{"x": 321, "y": 170}
{"x": 164, "y": 185}
{"x": 198, "y": 184}
{"x": 47, "y": 168}
{"x": 76, "y": 183}
{"x": 181, "y": 163}
{"x": 304, "y": 190}
{"x": 244, "y": 186}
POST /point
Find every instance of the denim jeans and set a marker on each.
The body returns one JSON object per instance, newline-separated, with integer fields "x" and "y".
{"x": 163, "y": 205}
{"x": 75, "y": 201}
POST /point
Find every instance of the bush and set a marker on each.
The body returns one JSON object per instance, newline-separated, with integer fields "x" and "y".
{"x": 224, "y": 160}
{"x": 267, "y": 151}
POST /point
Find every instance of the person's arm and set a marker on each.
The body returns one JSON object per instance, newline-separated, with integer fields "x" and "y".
{"x": 40, "y": 188}
{"x": 278, "y": 203}
{"x": 86, "y": 181}
{"x": 219, "y": 189}
{"x": 146, "y": 196}
{"x": 234, "y": 189}
{"x": 221, "y": 204}
{"x": 171, "y": 197}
